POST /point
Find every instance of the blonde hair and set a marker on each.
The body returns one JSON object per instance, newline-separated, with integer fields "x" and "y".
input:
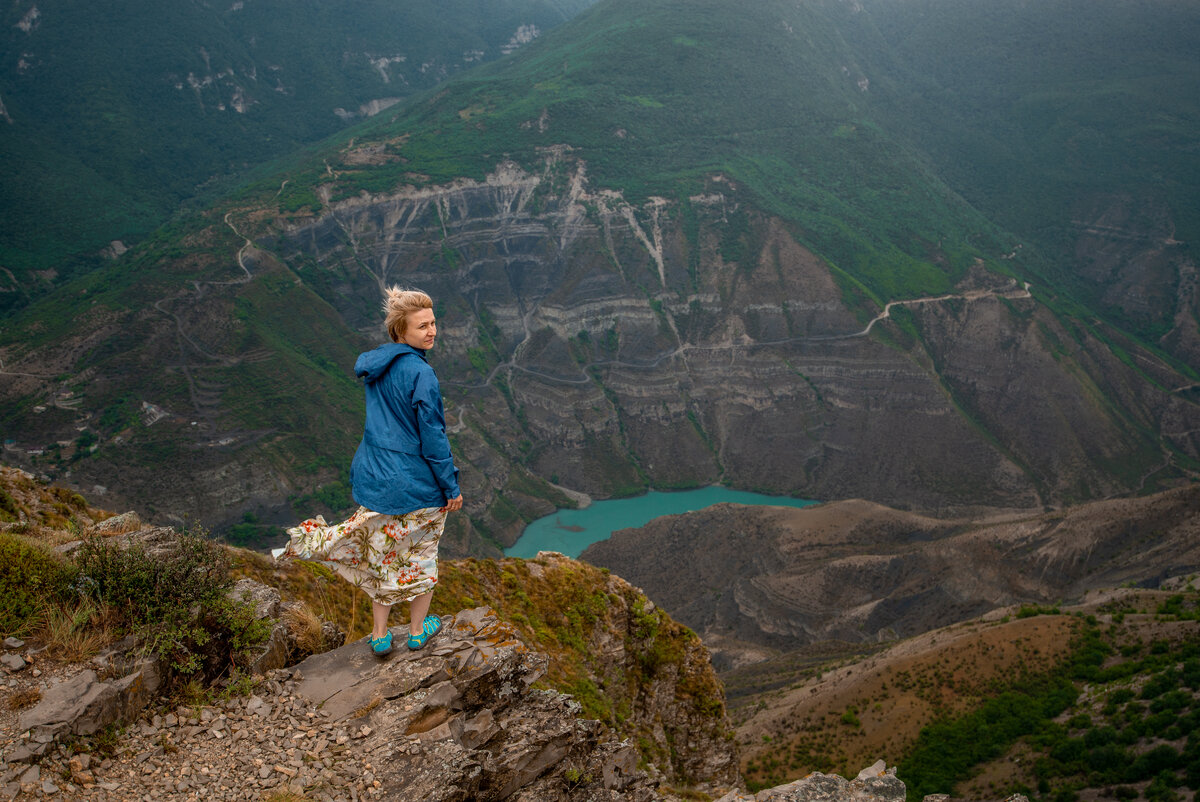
{"x": 398, "y": 304}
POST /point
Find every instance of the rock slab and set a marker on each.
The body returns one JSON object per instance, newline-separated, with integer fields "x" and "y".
{"x": 459, "y": 721}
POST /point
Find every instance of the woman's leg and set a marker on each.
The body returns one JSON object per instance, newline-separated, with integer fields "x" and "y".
{"x": 379, "y": 616}
{"x": 417, "y": 609}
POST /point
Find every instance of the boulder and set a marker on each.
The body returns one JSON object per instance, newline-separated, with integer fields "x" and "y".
{"x": 85, "y": 704}
{"x": 265, "y": 599}
{"x": 332, "y": 636}
{"x": 117, "y": 525}
{"x": 273, "y": 652}
{"x": 156, "y": 541}
{"x": 874, "y": 784}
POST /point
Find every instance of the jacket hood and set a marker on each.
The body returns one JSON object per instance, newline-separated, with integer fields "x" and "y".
{"x": 373, "y": 365}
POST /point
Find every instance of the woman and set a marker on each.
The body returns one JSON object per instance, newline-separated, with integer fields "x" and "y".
{"x": 403, "y": 477}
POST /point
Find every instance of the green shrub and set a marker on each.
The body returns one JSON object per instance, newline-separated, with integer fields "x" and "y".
{"x": 946, "y": 750}
{"x": 175, "y": 599}
{"x": 1160, "y": 684}
{"x": 1162, "y": 789}
{"x": 30, "y": 575}
{"x": 10, "y": 510}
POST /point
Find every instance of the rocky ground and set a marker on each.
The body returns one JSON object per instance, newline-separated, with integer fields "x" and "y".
{"x": 242, "y": 748}
{"x": 457, "y": 721}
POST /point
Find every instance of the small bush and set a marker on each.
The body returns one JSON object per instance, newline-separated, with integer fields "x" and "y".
{"x": 31, "y": 575}
{"x": 175, "y": 598}
{"x": 10, "y": 510}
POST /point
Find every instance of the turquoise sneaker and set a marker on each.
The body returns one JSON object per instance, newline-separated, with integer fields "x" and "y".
{"x": 431, "y": 626}
{"x": 381, "y": 647}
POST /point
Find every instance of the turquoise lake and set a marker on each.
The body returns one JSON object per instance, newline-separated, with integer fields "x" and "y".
{"x": 572, "y": 531}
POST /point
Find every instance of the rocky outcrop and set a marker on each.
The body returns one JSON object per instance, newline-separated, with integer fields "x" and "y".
{"x": 84, "y": 705}
{"x": 875, "y": 783}
{"x": 626, "y": 661}
{"x": 117, "y": 525}
{"x": 123, "y": 680}
{"x": 459, "y": 721}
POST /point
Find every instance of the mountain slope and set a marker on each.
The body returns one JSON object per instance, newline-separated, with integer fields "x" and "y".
{"x": 756, "y": 581}
{"x": 1072, "y": 125}
{"x": 1097, "y": 700}
{"x": 114, "y": 115}
{"x": 670, "y": 245}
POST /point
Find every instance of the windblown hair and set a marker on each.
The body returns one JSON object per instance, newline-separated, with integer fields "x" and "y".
{"x": 398, "y": 304}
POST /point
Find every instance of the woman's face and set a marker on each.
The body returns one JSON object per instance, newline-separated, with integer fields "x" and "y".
{"x": 420, "y": 329}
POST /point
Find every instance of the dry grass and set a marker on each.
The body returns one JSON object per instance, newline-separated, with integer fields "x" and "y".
{"x": 57, "y": 537}
{"x": 375, "y": 702}
{"x": 286, "y": 795}
{"x": 76, "y": 632}
{"x": 27, "y": 697}
{"x": 194, "y": 694}
{"x": 305, "y": 626}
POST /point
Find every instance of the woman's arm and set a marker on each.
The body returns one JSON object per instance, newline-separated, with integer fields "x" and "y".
{"x": 435, "y": 445}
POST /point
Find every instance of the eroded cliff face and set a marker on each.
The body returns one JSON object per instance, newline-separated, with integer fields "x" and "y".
{"x": 609, "y": 346}
{"x": 1128, "y": 258}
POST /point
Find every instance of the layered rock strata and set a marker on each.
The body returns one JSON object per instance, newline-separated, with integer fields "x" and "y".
{"x": 609, "y": 346}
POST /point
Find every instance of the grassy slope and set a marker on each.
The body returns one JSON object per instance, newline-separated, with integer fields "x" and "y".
{"x": 1075, "y": 697}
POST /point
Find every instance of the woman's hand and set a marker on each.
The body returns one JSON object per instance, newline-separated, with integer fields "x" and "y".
{"x": 453, "y": 504}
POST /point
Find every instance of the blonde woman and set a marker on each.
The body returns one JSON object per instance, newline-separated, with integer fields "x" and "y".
{"x": 403, "y": 477}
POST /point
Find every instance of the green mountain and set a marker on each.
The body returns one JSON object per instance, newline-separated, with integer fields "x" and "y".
{"x": 113, "y": 115}
{"x": 1059, "y": 119}
{"x": 785, "y": 247}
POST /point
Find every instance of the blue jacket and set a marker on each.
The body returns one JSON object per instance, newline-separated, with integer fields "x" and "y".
{"x": 403, "y": 462}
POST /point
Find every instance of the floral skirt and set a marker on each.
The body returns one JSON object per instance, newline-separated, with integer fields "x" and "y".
{"x": 393, "y": 558}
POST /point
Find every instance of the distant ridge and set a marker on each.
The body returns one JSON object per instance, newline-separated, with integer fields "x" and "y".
{"x": 759, "y": 581}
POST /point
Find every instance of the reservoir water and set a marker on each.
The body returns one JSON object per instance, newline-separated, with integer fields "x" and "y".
{"x": 572, "y": 531}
